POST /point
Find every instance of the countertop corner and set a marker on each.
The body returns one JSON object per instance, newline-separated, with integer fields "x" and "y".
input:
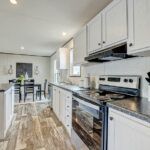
{"x": 136, "y": 107}
{"x": 5, "y": 87}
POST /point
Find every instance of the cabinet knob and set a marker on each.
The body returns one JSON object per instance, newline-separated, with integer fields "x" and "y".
{"x": 99, "y": 44}
{"x": 131, "y": 44}
{"x": 68, "y": 97}
{"x": 111, "y": 118}
{"x": 104, "y": 42}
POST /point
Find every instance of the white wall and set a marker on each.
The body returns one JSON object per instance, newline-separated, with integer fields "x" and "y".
{"x": 52, "y": 58}
{"x": 133, "y": 66}
{"x": 7, "y": 59}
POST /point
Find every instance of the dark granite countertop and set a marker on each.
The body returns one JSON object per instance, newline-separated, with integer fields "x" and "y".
{"x": 136, "y": 107}
{"x": 68, "y": 87}
{"x": 5, "y": 87}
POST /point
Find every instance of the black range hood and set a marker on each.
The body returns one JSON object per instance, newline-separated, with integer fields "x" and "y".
{"x": 112, "y": 54}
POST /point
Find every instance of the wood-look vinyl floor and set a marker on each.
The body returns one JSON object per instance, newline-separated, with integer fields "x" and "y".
{"x": 35, "y": 127}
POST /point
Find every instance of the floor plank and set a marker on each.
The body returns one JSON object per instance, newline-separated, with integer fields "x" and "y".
{"x": 35, "y": 127}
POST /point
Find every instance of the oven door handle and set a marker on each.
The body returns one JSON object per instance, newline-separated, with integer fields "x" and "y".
{"x": 86, "y": 103}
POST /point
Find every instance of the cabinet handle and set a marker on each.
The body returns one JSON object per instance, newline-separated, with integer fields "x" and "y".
{"x": 67, "y": 115}
{"x": 99, "y": 44}
{"x": 131, "y": 44}
{"x": 104, "y": 42}
{"x": 67, "y": 125}
{"x": 67, "y": 106}
{"x": 68, "y": 97}
{"x": 111, "y": 118}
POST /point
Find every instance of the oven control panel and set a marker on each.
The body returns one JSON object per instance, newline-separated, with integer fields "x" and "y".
{"x": 120, "y": 81}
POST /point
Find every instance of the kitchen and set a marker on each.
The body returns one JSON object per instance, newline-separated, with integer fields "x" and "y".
{"x": 98, "y": 80}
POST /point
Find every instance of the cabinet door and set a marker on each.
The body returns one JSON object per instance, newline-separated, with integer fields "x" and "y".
{"x": 56, "y": 101}
{"x": 126, "y": 133}
{"x": 94, "y": 29}
{"x": 8, "y": 108}
{"x": 62, "y": 56}
{"x": 62, "y": 106}
{"x": 80, "y": 47}
{"x": 139, "y": 23}
{"x": 115, "y": 23}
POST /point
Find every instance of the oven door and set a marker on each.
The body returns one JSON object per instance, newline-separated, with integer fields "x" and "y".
{"x": 87, "y": 122}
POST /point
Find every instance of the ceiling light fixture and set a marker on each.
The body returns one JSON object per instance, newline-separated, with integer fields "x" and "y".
{"x": 22, "y": 47}
{"x": 64, "y": 33}
{"x": 14, "y": 2}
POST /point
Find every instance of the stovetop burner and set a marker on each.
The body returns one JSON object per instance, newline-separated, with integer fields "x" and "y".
{"x": 113, "y": 88}
{"x": 101, "y": 95}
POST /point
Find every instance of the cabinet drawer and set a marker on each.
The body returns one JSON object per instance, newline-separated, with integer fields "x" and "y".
{"x": 68, "y": 122}
{"x": 68, "y": 107}
{"x": 68, "y": 117}
{"x": 68, "y": 111}
{"x": 68, "y": 101}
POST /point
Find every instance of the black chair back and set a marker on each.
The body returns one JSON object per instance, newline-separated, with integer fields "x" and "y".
{"x": 45, "y": 84}
{"x": 17, "y": 84}
{"x": 29, "y": 86}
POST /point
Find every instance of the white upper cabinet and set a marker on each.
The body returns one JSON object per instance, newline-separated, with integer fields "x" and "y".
{"x": 94, "y": 28}
{"x": 127, "y": 133}
{"x": 115, "y": 23}
{"x": 63, "y": 58}
{"x": 80, "y": 45}
{"x": 139, "y": 24}
{"x": 109, "y": 27}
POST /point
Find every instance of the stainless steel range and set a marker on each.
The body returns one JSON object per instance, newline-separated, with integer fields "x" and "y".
{"x": 89, "y": 114}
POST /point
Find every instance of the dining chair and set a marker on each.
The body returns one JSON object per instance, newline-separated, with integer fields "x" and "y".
{"x": 17, "y": 87}
{"x": 38, "y": 92}
{"x": 28, "y": 88}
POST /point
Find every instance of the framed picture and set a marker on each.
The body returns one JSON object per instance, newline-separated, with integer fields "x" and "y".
{"x": 23, "y": 68}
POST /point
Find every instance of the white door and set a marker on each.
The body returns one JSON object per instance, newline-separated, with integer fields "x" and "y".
{"x": 115, "y": 23}
{"x": 139, "y": 23}
{"x": 80, "y": 47}
{"x": 94, "y": 29}
{"x": 126, "y": 133}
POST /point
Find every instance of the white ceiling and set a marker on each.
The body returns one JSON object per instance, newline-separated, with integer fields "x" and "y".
{"x": 38, "y": 24}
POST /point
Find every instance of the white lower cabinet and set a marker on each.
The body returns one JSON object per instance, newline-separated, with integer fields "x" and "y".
{"x": 6, "y": 111}
{"x": 56, "y": 101}
{"x": 68, "y": 112}
{"x": 62, "y": 106}
{"x": 127, "y": 133}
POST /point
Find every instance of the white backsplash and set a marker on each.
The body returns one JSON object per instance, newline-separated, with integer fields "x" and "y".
{"x": 133, "y": 66}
